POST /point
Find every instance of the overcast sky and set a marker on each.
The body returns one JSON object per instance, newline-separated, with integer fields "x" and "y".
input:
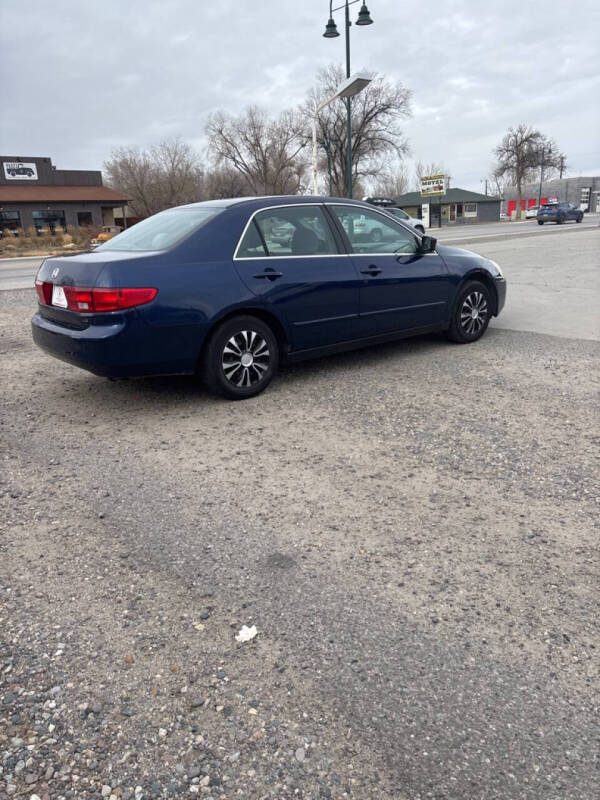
{"x": 80, "y": 78}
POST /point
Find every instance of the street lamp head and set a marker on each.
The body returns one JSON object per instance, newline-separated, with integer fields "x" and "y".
{"x": 331, "y": 30}
{"x": 353, "y": 85}
{"x": 364, "y": 17}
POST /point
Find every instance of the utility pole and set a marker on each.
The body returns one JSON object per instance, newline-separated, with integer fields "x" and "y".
{"x": 541, "y": 178}
{"x": 562, "y": 166}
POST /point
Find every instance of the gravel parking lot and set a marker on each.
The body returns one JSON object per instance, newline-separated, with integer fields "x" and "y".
{"x": 412, "y": 528}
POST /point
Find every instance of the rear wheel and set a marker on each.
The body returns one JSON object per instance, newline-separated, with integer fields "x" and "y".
{"x": 540, "y": 222}
{"x": 471, "y": 313}
{"x": 240, "y": 358}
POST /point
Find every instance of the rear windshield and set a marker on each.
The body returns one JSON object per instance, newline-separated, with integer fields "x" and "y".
{"x": 163, "y": 230}
{"x": 551, "y": 206}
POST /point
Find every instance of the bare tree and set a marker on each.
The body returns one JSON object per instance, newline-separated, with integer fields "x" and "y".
{"x": 265, "y": 152}
{"x": 521, "y": 153}
{"x": 224, "y": 182}
{"x": 391, "y": 184}
{"x": 496, "y": 183}
{"x": 377, "y": 138}
{"x": 166, "y": 175}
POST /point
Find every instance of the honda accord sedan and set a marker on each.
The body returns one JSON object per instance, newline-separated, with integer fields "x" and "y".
{"x": 215, "y": 289}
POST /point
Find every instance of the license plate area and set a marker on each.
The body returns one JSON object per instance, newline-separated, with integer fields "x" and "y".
{"x": 59, "y": 297}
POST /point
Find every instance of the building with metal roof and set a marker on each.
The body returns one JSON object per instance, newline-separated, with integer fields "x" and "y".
{"x": 457, "y": 207}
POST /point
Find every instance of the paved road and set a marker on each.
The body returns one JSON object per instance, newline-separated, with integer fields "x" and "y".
{"x": 553, "y": 282}
{"x": 469, "y": 233}
{"x": 18, "y": 273}
{"x": 412, "y": 528}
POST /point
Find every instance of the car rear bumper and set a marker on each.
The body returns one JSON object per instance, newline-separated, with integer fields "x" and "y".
{"x": 119, "y": 347}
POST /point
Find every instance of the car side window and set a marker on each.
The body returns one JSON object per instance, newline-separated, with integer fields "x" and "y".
{"x": 372, "y": 233}
{"x": 288, "y": 231}
{"x": 251, "y": 245}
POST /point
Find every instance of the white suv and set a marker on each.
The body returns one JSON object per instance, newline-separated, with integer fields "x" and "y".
{"x": 417, "y": 224}
{"x": 370, "y": 229}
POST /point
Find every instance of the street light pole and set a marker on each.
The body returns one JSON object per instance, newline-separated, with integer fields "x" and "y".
{"x": 351, "y": 86}
{"x": 364, "y": 18}
{"x": 348, "y": 106}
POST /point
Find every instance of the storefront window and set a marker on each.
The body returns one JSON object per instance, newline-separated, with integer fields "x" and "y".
{"x": 9, "y": 221}
{"x": 84, "y": 218}
{"x": 49, "y": 221}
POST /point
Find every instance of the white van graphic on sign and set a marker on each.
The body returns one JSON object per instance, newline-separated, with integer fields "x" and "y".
{"x": 20, "y": 171}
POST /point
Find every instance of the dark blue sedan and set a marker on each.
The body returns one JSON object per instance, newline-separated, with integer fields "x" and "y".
{"x": 231, "y": 288}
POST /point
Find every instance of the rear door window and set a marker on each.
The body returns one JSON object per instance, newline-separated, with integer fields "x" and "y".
{"x": 288, "y": 231}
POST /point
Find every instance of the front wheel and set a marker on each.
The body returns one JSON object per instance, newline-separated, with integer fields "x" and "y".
{"x": 240, "y": 358}
{"x": 471, "y": 313}
{"x": 540, "y": 222}
{"x": 579, "y": 218}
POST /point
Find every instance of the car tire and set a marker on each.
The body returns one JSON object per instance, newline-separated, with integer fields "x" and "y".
{"x": 579, "y": 218}
{"x": 240, "y": 358}
{"x": 559, "y": 220}
{"x": 420, "y": 229}
{"x": 540, "y": 222}
{"x": 376, "y": 235}
{"x": 465, "y": 326}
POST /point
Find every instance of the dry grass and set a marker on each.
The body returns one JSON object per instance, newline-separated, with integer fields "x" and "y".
{"x": 26, "y": 242}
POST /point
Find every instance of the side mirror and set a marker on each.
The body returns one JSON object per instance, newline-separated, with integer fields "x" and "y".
{"x": 428, "y": 244}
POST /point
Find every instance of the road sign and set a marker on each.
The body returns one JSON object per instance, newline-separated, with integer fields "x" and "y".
{"x": 433, "y": 185}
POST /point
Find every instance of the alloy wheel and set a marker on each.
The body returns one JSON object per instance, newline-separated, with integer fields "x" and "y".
{"x": 474, "y": 313}
{"x": 246, "y": 358}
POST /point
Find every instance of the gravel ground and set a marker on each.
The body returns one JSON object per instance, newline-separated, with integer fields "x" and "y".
{"x": 412, "y": 529}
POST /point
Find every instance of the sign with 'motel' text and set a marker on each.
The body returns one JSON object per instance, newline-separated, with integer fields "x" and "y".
{"x": 20, "y": 171}
{"x": 433, "y": 185}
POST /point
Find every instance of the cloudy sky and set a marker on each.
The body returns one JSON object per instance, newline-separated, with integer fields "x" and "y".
{"x": 80, "y": 78}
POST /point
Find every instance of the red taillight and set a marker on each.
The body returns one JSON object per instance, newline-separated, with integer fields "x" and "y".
{"x": 79, "y": 299}
{"x": 87, "y": 301}
{"x": 116, "y": 299}
{"x": 44, "y": 292}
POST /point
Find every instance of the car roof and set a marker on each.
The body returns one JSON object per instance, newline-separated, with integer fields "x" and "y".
{"x": 276, "y": 200}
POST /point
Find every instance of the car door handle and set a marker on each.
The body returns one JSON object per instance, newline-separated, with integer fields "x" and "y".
{"x": 270, "y": 274}
{"x": 372, "y": 269}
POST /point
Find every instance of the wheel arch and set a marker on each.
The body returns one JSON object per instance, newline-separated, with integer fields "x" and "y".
{"x": 487, "y": 280}
{"x": 263, "y": 315}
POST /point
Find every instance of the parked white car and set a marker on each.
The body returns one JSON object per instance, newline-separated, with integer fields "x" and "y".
{"x": 417, "y": 224}
{"x": 369, "y": 229}
{"x": 531, "y": 212}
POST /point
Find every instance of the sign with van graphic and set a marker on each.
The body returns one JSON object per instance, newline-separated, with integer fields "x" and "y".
{"x": 20, "y": 171}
